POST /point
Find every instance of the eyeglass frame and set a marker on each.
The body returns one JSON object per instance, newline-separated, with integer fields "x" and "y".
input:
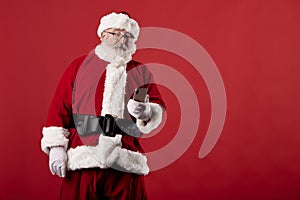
{"x": 127, "y": 35}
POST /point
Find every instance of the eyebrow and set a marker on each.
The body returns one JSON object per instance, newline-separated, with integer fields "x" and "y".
{"x": 113, "y": 29}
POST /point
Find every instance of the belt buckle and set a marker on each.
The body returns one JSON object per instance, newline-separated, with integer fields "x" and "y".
{"x": 108, "y": 125}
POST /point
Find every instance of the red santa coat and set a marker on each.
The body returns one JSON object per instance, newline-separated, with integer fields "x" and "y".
{"x": 60, "y": 111}
{"x": 60, "y": 121}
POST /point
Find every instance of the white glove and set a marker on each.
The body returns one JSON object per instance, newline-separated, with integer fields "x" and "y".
{"x": 58, "y": 161}
{"x": 139, "y": 110}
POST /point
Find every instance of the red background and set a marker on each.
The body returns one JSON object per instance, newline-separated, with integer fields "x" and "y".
{"x": 255, "y": 45}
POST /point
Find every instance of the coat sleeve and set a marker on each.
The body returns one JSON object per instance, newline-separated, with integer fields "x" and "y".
{"x": 55, "y": 132}
{"x": 157, "y": 104}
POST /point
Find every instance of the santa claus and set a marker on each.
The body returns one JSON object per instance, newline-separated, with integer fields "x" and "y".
{"x": 93, "y": 125}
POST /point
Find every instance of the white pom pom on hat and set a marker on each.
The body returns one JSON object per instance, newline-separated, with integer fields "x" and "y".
{"x": 119, "y": 21}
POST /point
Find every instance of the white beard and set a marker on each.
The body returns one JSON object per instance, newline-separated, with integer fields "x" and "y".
{"x": 110, "y": 53}
{"x": 115, "y": 79}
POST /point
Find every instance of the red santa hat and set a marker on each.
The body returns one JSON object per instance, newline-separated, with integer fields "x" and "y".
{"x": 119, "y": 21}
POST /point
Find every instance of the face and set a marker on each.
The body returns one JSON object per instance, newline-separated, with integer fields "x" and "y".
{"x": 117, "y": 38}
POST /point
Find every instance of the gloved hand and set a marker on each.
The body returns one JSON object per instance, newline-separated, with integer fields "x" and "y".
{"x": 58, "y": 161}
{"x": 139, "y": 110}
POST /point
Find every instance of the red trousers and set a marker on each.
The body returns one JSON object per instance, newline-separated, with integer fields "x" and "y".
{"x": 95, "y": 183}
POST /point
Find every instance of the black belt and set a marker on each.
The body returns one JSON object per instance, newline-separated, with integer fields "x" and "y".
{"x": 107, "y": 125}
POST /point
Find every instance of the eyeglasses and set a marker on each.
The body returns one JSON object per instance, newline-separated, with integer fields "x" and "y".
{"x": 119, "y": 35}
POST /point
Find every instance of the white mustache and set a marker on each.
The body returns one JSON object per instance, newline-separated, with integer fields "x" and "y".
{"x": 109, "y": 52}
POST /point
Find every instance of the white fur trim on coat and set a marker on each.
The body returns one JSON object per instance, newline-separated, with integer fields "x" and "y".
{"x": 54, "y": 136}
{"x": 155, "y": 119}
{"x": 119, "y": 21}
{"x": 131, "y": 161}
{"x": 114, "y": 88}
{"x": 108, "y": 153}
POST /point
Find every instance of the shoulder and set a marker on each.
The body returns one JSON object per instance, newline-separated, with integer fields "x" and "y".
{"x": 134, "y": 63}
{"x": 137, "y": 66}
{"x": 76, "y": 63}
{"x": 71, "y": 70}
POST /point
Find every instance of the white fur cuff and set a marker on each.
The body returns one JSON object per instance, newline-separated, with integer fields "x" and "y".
{"x": 54, "y": 136}
{"x": 155, "y": 119}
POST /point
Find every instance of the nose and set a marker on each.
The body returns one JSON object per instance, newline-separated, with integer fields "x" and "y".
{"x": 122, "y": 40}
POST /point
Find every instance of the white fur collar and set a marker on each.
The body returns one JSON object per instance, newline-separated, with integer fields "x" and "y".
{"x": 115, "y": 82}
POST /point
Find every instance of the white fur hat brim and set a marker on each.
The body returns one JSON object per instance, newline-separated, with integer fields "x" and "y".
{"x": 119, "y": 21}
